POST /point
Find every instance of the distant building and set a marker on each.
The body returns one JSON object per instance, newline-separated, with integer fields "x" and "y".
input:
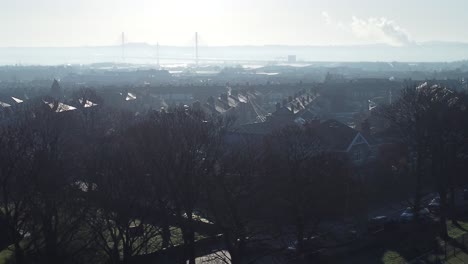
{"x": 299, "y": 109}
{"x": 292, "y": 58}
{"x": 56, "y": 91}
{"x": 243, "y": 105}
{"x": 340, "y": 138}
{"x": 336, "y": 137}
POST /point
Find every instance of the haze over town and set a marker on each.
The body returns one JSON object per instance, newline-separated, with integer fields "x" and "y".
{"x": 234, "y": 132}
{"x": 55, "y": 23}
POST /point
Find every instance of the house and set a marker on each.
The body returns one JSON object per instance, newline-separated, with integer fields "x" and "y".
{"x": 243, "y": 106}
{"x": 335, "y": 136}
{"x": 342, "y": 139}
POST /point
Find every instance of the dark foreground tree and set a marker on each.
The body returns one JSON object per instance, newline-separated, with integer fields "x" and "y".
{"x": 306, "y": 182}
{"x": 183, "y": 144}
{"x": 232, "y": 198}
{"x": 121, "y": 223}
{"x": 430, "y": 120}
{"x": 15, "y": 195}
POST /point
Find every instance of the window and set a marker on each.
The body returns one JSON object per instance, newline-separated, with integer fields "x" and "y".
{"x": 357, "y": 155}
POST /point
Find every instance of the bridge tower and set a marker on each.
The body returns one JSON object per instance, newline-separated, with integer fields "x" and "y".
{"x": 196, "y": 48}
{"x": 123, "y": 46}
{"x": 157, "y": 54}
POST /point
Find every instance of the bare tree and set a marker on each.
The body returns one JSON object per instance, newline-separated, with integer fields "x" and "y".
{"x": 290, "y": 152}
{"x": 57, "y": 212}
{"x": 429, "y": 119}
{"x": 184, "y": 143}
{"x": 15, "y": 194}
{"x": 232, "y": 197}
{"x": 121, "y": 223}
{"x": 408, "y": 115}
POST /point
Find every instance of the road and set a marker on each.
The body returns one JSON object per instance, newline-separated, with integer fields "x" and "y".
{"x": 394, "y": 210}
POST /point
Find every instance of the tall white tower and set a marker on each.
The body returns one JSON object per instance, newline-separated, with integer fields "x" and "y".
{"x": 157, "y": 54}
{"x": 196, "y": 48}
{"x": 123, "y": 46}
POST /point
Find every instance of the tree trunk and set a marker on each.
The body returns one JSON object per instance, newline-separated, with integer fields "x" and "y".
{"x": 166, "y": 233}
{"x": 232, "y": 247}
{"x": 235, "y": 257}
{"x": 51, "y": 246}
{"x": 438, "y": 158}
{"x": 115, "y": 255}
{"x": 418, "y": 187}
{"x": 453, "y": 209}
{"x": 19, "y": 253}
{"x": 236, "y": 248}
{"x": 127, "y": 254}
{"x": 189, "y": 238}
{"x": 300, "y": 235}
{"x": 443, "y": 213}
{"x": 189, "y": 241}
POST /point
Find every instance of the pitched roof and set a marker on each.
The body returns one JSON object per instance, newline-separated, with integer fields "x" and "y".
{"x": 8, "y": 100}
{"x": 308, "y": 115}
{"x": 262, "y": 128}
{"x": 2, "y": 104}
{"x": 336, "y": 134}
{"x": 283, "y": 112}
{"x": 59, "y": 107}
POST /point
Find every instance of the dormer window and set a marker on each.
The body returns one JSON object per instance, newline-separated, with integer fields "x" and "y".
{"x": 357, "y": 155}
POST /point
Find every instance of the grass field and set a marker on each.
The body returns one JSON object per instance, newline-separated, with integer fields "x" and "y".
{"x": 176, "y": 239}
{"x": 392, "y": 257}
{"x": 5, "y": 256}
{"x": 404, "y": 248}
{"x": 393, "y": 251}
{"x": 455, "y": 231}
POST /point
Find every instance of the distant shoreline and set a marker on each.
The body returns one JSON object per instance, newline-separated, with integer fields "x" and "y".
{"x": 146, "y": 54}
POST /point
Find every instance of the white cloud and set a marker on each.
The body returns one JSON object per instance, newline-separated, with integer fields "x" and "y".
{"x": 380, "y": 30}
{"x": 327, "y": 17}
{"x": 340, "y": 26}
{"x": 330, "y": 21}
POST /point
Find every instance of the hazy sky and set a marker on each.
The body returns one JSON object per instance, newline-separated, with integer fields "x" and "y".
{"x": 231, "y": 22}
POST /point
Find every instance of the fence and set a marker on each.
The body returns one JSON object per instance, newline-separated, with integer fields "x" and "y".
{"x": 175, "y": 254}
{"x": 444, "y": 251}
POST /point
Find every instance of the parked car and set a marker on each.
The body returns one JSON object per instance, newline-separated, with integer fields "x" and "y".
{"x": 408, "y": 215}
